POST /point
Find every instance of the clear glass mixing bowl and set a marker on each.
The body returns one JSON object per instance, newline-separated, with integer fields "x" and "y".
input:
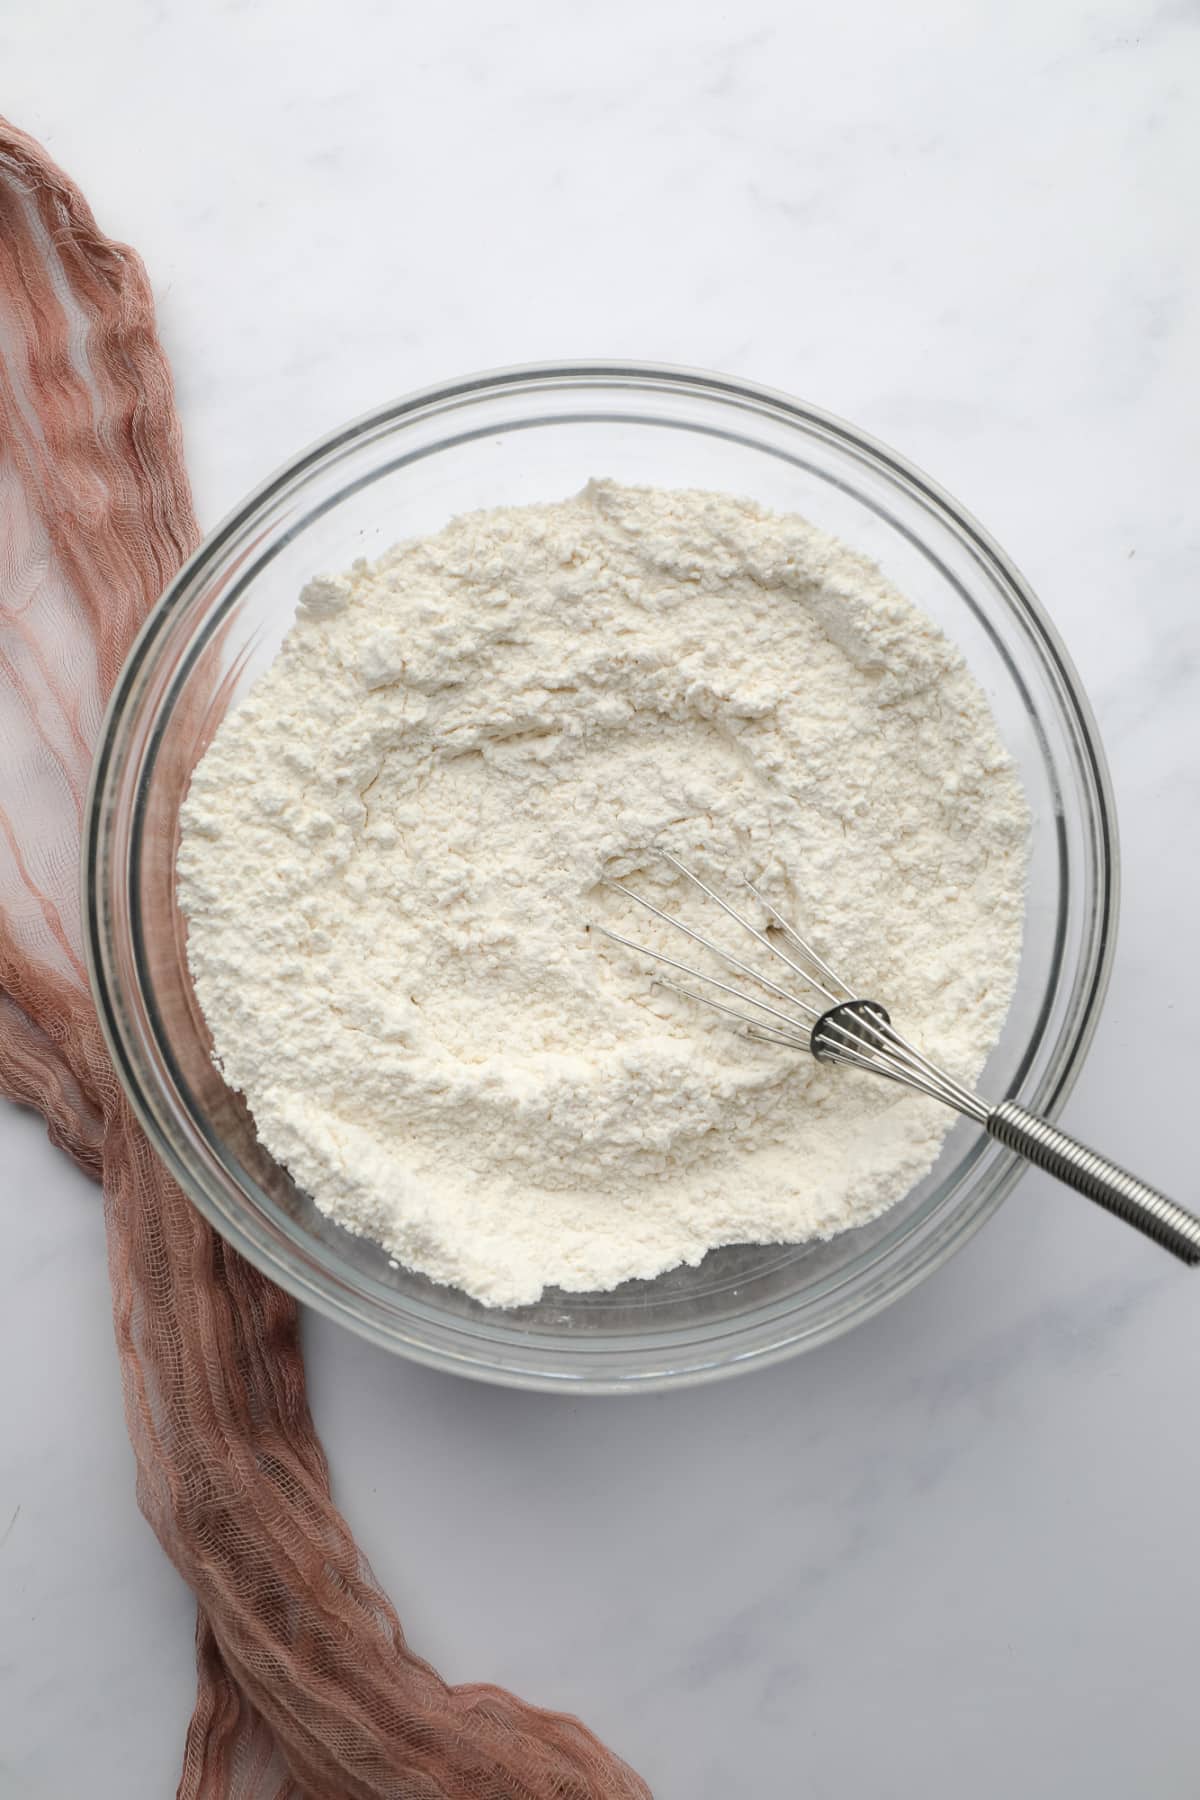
{"x": 535, "y": 434}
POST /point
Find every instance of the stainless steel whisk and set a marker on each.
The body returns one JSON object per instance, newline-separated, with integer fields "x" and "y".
{"x": 857, "y": 1033}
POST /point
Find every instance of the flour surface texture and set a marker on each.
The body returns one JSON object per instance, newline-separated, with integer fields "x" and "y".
{"x": 391, "y": 852}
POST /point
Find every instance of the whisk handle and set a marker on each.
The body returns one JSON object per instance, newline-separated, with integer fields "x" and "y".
{"x": 1114, "y": 1188}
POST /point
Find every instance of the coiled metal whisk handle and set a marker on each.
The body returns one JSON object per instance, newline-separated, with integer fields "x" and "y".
{"x": 1111, "y": 1187}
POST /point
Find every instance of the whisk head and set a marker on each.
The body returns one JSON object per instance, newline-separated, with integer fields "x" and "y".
{"x": 826, "y": 1018}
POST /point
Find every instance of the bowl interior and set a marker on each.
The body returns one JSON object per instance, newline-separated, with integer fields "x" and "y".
{"x": 510, "y": 439}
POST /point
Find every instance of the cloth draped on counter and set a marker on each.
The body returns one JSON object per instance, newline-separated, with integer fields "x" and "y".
{"x": 306, "y": 1684}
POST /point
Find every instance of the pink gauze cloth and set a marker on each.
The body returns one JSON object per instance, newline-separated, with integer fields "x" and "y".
{"x": 306, "y": 1684}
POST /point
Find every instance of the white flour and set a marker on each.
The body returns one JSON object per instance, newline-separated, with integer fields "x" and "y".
{"x": 392, "y": 849}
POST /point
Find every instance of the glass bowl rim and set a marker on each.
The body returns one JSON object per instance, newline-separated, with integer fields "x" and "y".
{"x": 1088, "y": 988}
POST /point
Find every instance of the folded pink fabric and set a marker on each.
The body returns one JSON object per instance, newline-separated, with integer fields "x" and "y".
{"x": 306, "y": 1684}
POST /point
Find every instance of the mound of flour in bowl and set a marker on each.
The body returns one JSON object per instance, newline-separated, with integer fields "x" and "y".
{"x": 391, "y": 852}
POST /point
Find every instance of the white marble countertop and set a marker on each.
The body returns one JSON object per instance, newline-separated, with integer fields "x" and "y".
{"x": 954, "y": 1553}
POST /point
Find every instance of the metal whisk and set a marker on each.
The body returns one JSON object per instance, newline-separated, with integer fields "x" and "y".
{"x": 839, "y": 1026}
